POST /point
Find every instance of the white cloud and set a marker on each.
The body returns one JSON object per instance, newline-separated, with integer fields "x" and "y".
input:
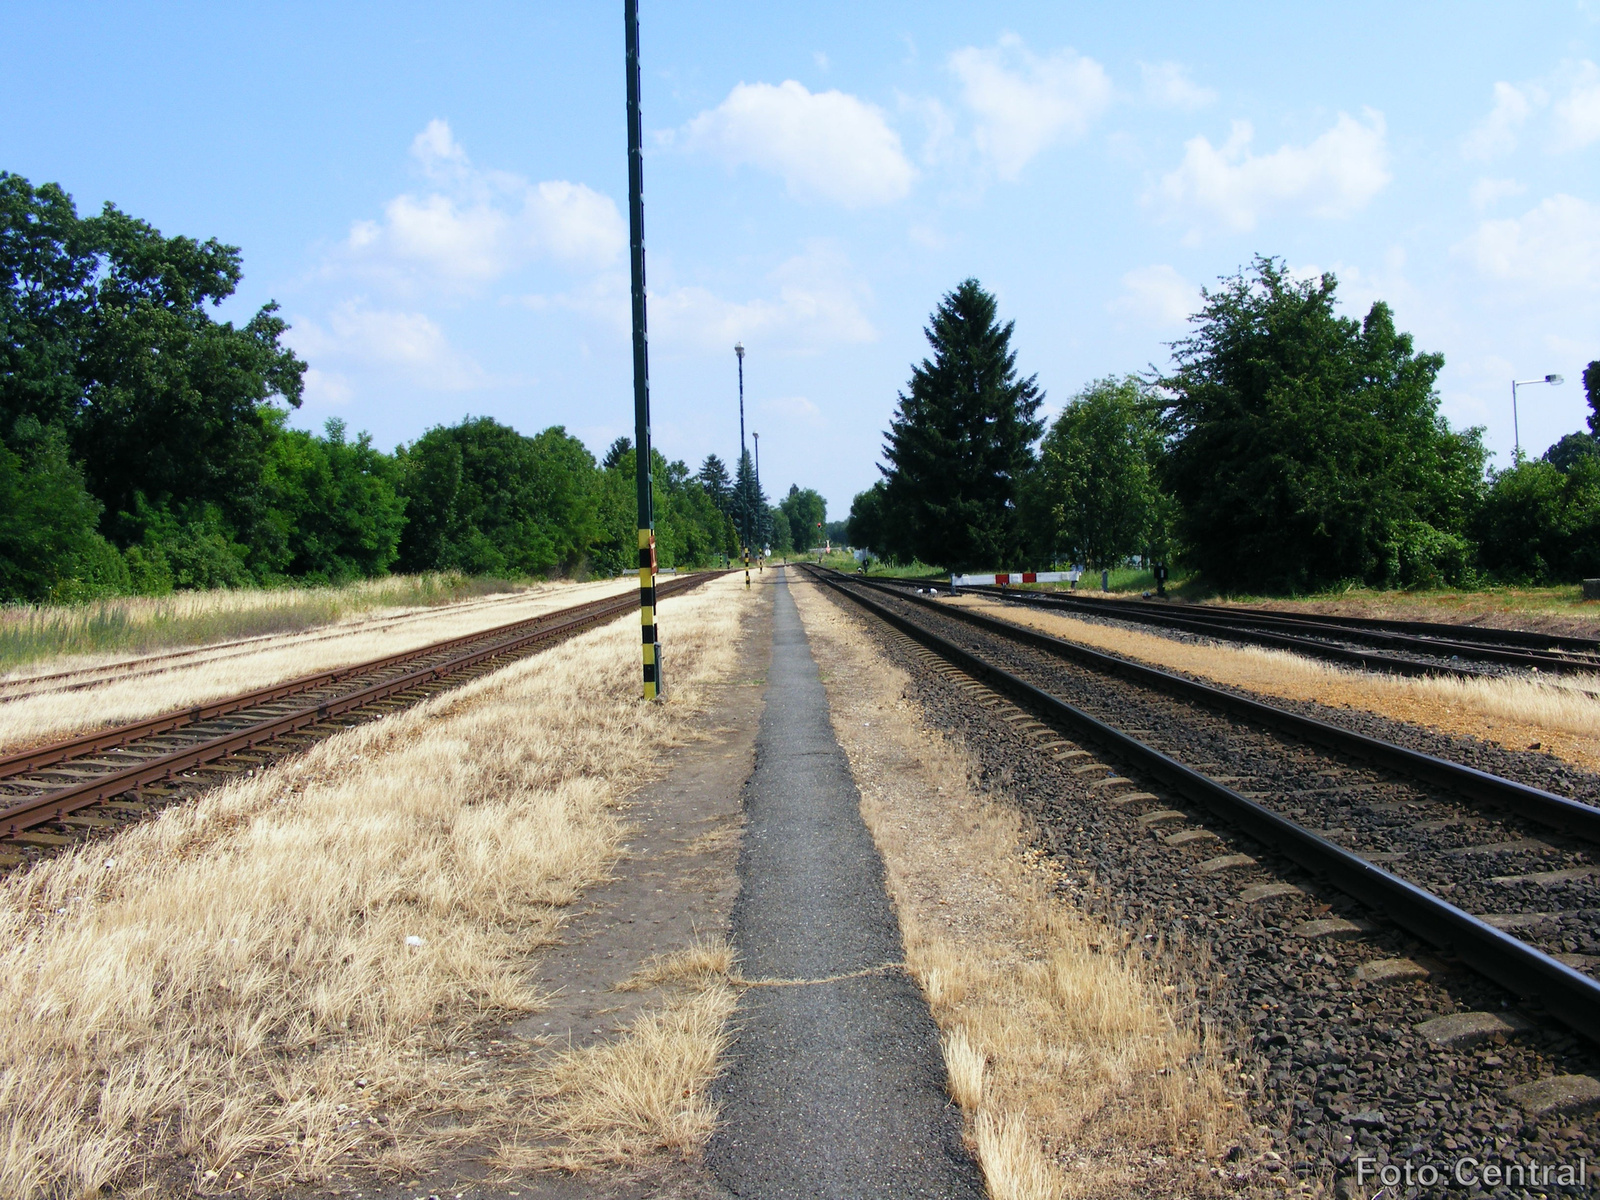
{"x": 827, "y": 146}
{"x": 1167, "y": 85}
{"x": 385, "y": 341}
{"x": 478, "y": 225}
{"x": 1577, "y": 114}
{"x": 1555, "y": 245}
{"x": 325, "y": 389}
{"x": 1573, "y": 119}
{"x": 792, "y": 409}
{"x": 1486, "y": 192}
{"x": 1496, "y": 134}
{"x": 819, "y": 303}
{"x": 1334, "y": 176}
{"x": 1157, "y": 295}
{"x": 939, "y": 144}
{"x": 1025, "y": 103}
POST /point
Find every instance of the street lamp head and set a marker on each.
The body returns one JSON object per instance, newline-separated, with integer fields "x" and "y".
{"x": 738, "y": 348}
{"x": 1554, "y": 379}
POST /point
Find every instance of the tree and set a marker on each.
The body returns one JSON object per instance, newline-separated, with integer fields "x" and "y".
{"x": 107, "y": 350}
{"x": 806, "y": 512}
{"x": 1307, "y": 448}
{"x": 716, "y": 483}
{"x": 865, "y": 529}
{"x": 1591, "y": 392}
{"x": 1097, "y": 474}
{"x": 959, "y": 440}
{"x": 751, "y": 515}
{"x": 334, "y": 505}
{"x": 690, "y": 530}
{"x": 484, "y": 499}
{"x": 1574, "y": 446}
{"x": 1540, "y": 522}
{"x": 49, "y": 546}
{"x": 107, "y": 338}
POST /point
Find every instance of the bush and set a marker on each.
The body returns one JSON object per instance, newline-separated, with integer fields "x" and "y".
{"x": 1420, "y": 556}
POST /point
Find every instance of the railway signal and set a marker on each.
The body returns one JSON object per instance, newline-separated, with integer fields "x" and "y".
{"x": 654, "y": 682}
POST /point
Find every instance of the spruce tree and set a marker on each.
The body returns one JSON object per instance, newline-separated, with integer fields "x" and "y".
{"x": 960, "y": 440}
{"x": 750, "y": 513}
{"x": 713, "y": 477}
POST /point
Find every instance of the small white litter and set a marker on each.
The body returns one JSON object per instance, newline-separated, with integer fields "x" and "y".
{"x": 413, "y": 940}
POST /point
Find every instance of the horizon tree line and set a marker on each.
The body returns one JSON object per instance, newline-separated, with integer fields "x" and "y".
{"x": 1288, "y": 448}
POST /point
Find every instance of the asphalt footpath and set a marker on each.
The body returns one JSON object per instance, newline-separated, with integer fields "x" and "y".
{"x": 835, "y": 1086}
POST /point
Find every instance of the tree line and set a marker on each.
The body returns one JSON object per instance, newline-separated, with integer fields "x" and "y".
{"x": 1288, "y": 448}
{"x": 145, "y": 445}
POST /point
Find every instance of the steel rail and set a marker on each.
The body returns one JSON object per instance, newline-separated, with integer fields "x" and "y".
{"x": 1547, "y": 808}
{"x": 108, "y": 739}
{"x": 1433, "y": 643}
{"x": 1566, "y": 994}
{"x": 1436, "y": 629}
{"x": 55, "y": 804}
{"x": 1301, "y": 634}
{"x": 1490, "y": 634}
{"x": 18, "y": 687}
{"x": 1311, "y": 647}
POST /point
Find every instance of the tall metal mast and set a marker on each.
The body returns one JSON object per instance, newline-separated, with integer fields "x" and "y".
{"x": 654, "y": 684}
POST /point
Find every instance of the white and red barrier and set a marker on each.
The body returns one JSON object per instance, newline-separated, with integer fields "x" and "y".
{"x": 1005, "y": 579}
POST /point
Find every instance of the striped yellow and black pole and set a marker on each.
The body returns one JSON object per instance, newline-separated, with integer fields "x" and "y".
{"x": 654, "y": 681}
{"x": 647, "y": 613}
{"x": 747, "y": 566}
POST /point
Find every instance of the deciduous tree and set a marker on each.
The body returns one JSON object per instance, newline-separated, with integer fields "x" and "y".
{"x": 1097, "y": 474}
{"x": 1307, "y": 448}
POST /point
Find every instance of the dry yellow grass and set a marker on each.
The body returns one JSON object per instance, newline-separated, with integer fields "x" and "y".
{"x": 34, "y": 635}
{"x": 646, "y": 1091}
{"x": 34, "y": 719}
{"x": 290, "y": 973}
{"x": 1079, "y": 1062}
{"x": 1557, "y": 714}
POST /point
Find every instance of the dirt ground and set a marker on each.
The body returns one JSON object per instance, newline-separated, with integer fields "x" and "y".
{"x": 671, "y": 892}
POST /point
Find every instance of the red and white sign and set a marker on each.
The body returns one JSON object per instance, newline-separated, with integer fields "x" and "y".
{"x": 1005, "y": 579}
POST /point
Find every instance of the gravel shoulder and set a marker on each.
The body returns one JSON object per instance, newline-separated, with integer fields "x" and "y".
{"x": 1333, "y": 1063}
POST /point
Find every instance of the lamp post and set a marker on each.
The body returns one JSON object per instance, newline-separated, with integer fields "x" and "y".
{"x": 744, "y": 534}
{"x": 1516, "y": 431}
{"x": 738, "y": 348}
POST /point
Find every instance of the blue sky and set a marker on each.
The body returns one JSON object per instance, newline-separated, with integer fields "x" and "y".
{"x": 436, "y": 194}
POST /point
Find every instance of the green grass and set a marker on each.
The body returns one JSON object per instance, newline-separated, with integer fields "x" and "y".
{"x": 31, "y": 633}
{"x": 844, "y": 562}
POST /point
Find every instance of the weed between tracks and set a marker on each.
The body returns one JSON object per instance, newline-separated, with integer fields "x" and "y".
{"x": 1074, "y": 1057}
{"x": 47, "y": 716}
{"x": 296, "y": 973}
{"x": 1514, "y": 711}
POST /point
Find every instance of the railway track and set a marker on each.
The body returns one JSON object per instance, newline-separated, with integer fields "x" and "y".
{"x": 21, "y": 686}
{"x": 1496, "y": 873}
{"x": 55, "y": 795}
{"x": 1399, "y": 647}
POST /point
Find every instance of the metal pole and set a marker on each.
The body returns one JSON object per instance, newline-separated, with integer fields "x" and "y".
{"x": 744, "y": 533}
{"x": 1516, "y": 430}
{"x": 654, "y": 684}
{"x": 738, "y": 348}
{"x": 761, "y": 519}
